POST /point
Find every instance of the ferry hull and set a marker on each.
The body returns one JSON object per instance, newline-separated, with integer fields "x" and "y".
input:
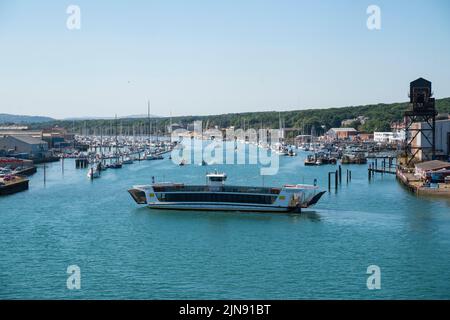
{"x": 222, "y": 207}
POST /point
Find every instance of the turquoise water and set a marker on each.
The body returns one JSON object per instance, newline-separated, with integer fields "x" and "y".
{"x": 126, "y": 251}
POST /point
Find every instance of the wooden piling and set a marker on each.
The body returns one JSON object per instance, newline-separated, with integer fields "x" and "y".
{"x": 329, "y": 181}
{"x": 336, "y": 180}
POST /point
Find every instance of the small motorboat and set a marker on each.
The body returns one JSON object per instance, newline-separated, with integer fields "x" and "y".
{"x": 127, "y": 160}
{"x": 93, "y": 173}
{"x": 115, "y": 165}
{"x": 154, "y": 157}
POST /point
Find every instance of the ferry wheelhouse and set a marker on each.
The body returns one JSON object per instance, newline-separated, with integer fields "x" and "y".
{"x": 216, "y": 196}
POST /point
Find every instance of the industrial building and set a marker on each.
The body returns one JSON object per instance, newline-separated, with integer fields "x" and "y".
{"x": 423, "y": 140}
{"x": 434, "y": 169}
{"x": 341, "y": 133}
{"x": 18, "y": 144}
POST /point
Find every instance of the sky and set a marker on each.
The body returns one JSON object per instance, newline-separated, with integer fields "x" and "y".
{"x": 201, "y": 57}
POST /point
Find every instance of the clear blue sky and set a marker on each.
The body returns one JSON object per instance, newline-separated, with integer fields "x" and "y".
{"x": 209, "y": 57}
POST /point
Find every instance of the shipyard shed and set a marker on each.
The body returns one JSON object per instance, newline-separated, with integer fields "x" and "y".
{"x": 24, "y": 144}
{"x": 425, "y": 168}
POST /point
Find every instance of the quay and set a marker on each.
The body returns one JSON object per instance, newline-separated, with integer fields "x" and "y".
{"x": 13, "y": 184}
{"x": 417, "y": 184}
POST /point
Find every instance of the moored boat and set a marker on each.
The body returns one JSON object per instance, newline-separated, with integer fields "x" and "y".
{"x": 93, "y": 172}
{"x": 127, "y": 160}
{"x": 154, "y": 157}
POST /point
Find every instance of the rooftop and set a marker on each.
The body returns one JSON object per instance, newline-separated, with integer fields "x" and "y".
{"x": 29, "y": 139}
{"x": 433, "y": 165}
{"x": 344, "y": 129}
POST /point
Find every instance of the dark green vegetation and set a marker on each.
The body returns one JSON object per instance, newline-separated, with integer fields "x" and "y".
{"x": 380, "y": 117}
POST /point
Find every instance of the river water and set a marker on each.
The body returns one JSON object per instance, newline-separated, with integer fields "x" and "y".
{"x": 131, "y": 252}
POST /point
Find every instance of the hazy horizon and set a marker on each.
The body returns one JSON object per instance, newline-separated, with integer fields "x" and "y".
{"x": 205, "y": 58}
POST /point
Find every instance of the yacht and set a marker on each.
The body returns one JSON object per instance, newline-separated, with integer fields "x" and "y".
{"x": 154, "y": 157}
{"x": 216, "y": 196}
{"x": 127, "y": 160}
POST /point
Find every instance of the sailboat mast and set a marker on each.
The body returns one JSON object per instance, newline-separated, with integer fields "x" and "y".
{"x": 149, "y": 121}
{"x": 117, "y": 151}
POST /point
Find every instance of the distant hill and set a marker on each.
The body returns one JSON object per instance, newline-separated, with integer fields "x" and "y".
{"x": 109, "y": 118}
{"x": 18, "y": 119}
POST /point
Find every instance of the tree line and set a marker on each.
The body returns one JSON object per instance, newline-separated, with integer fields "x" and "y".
{"x": 380, "y": 117}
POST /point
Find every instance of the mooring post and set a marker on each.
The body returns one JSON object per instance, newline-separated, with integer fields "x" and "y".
{"x": 329, "y": 181}
{"x": 347, "y": 176}
{"x": 340, "y": 174}
{"x": 369, "y": 171}
{"x": 350, "y": 175}
{"x": 336, "y": 180}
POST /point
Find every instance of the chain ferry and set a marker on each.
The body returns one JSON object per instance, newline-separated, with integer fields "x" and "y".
{"x": 216, "y": 196}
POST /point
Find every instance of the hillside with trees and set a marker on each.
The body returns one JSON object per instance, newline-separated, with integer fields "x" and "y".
{"x": 380, "y": 116}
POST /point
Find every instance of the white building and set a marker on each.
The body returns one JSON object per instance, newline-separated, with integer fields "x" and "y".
{"x": 389, "y": 137}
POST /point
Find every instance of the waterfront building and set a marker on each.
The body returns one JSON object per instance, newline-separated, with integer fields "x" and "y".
{"x": 19, "y": 131}
{"x": 341, "y": 133}
{"x": 13, "y": 127}
{"x": 389, "y": 137}
{"x": 442, "y": 140}
{"x": 57, "y": 137}
{"x": 427, "y": 169}
{"x": 365, "y": 137}
{"x": 33, "y": 147}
